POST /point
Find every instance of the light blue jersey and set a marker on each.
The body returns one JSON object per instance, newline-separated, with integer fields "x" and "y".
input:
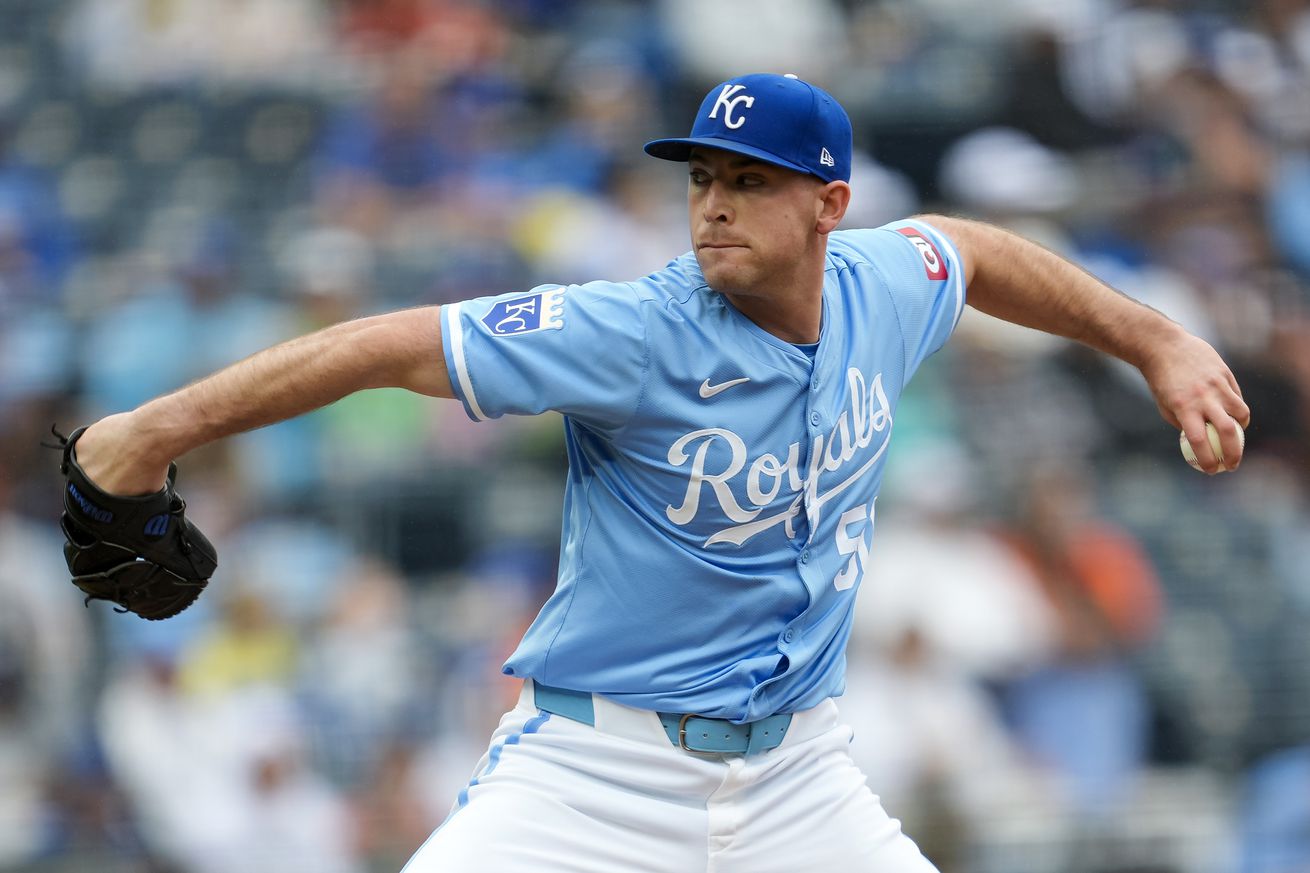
{"x": 720, "y": 500}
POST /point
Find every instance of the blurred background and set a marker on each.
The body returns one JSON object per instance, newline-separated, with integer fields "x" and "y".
{"x": 1076, "y": 654}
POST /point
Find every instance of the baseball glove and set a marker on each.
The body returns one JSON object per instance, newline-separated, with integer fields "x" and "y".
{"x": 141, "y": 553}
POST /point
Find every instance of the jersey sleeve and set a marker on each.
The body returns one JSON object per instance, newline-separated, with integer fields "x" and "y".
{"x": 577, "y": 349}
{"x": 925, "y": 278}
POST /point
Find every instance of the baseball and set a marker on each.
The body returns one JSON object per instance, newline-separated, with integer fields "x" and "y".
{"x": 1213, "y": 434}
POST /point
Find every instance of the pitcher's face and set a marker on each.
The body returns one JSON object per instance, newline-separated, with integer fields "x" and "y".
{"x": 749, "y": 220}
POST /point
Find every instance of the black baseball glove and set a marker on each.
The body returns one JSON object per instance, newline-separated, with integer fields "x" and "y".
{"x": 138, "y": 552}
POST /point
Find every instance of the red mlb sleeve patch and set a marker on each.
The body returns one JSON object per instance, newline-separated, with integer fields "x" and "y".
{"x": 933, "y": 262}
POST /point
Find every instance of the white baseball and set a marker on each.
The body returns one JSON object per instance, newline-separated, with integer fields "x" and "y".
{"x": 1190, "y": 456}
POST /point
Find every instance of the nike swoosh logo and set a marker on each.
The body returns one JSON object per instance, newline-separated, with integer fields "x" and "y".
{"x": 707, "y": 390}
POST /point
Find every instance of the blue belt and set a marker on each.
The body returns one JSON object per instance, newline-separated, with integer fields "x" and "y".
{"x": 692, "y": 733}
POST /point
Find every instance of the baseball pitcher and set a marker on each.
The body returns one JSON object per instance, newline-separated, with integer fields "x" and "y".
{"x": 727, "y": 423}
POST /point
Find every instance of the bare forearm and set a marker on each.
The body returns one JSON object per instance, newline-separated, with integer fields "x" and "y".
{"x": 1017, "y": 280}
{"x": 401, "y": 349}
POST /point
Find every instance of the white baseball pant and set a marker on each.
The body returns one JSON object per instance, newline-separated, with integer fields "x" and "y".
{"x": 553, "y": 794}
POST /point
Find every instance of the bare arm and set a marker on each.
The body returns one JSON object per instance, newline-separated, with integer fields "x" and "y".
{"x": 129, "y": 453}
{"x": 1021, "y": 282}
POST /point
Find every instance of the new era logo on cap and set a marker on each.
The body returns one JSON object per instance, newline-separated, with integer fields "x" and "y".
{"x": 781, "y": 120}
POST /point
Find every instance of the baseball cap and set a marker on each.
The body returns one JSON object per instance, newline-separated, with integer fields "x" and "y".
{"x": 780, "y": 120}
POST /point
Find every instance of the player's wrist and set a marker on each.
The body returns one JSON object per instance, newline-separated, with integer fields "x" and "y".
{"x": 1148, "y": 338}
{"x": 114, "y": 458}
{"x": 163, "y": 430}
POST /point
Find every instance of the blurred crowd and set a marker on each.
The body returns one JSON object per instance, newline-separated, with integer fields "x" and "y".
{"x": 1076, "y": 654}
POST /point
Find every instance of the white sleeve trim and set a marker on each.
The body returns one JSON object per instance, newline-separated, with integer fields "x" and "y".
{"x": 953, "y": 257}
{"x": 454, "y": 335}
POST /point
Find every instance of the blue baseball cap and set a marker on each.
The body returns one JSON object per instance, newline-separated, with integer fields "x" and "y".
{"x": 780, "y": 120}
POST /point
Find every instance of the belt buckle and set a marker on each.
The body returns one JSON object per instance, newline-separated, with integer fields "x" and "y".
{"x": 682, "y": 735}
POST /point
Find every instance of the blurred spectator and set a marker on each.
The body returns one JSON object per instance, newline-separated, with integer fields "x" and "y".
{"x": 557, "y": 231}
{"x": 1084, "y": 714}
{"x": 879, "y": 194}
{"x": 37, "y": 243}
{"x": 388, "y": 146}
{"x": 454, "y": 35}
{"x": 475, "y": 623}
{"x": 360, "y": 673}
{"x": 38, "y": 363}
{"x": 329, "y": 271}
{"x": 25, "y": 759}
{"x": 296, "y": 564}
{"x": 191, "y": 320}
{"x": 44, "y": 650}
{"x": 1288, "y": 208}
{"x": 126, "y": 44}
{"x": 944, "y": 606}
{"x": 1038, "y": 98}
{"x": 150, "y": 741}
{"x": 392, "y": 811}
{"x": 218, "y": 781}
{"x": 422, "y": 171}
{"x": 935, "y": 572}
{"x": 934, "y": 748}
{"x": 378, "y": 26}
{"x": 1020, "y": 407}
{"x": 1224, "y": 149}
{"x": 249, "y": 645}
{"x": 1275, "y": 814}
{"x": 782, "y": 36}
{"x": 294, "y": 820}
{"x": 1004, "y": 172}
{"x": 1128, "y": 53}
{"x": 604, "y": 104}
{"x": 1288, "y": 362}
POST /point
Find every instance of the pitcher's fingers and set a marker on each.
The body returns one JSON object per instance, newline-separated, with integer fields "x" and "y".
{"x": 1241, "y": 413}
{"x": 1232, "y": 382}
{"x": 1193, "y": 426}
{"x": 1231, "y": 439}
{"x": 1168, "y": 415}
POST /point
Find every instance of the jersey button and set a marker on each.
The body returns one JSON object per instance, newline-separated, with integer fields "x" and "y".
{"x": 788, "y": 635}
{"x": 805, "y": 556}
{"x": 814, "y": 419}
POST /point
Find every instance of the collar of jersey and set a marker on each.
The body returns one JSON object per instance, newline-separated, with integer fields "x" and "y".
{"x": 778, "y": 342}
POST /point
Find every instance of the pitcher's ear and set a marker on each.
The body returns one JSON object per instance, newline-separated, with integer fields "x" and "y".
{"x": 835, "y": 198}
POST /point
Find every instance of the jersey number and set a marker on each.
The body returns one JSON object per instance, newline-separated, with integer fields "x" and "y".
{"x": 854, "y": 535}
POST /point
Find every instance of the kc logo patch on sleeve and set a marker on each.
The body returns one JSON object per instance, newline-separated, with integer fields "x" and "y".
{"x": 932, "y": 259}
{"x": 529, "y": 314}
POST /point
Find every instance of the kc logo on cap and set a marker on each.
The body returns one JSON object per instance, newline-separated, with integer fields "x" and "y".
{"x": 729, "y": 102}
{"x": 780, "y": 120}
